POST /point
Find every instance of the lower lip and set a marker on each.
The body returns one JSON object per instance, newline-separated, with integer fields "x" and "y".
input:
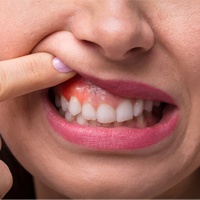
{"x": 120, "y": 138}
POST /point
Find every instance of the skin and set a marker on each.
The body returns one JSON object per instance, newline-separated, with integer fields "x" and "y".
{"x": 155, "y": 42}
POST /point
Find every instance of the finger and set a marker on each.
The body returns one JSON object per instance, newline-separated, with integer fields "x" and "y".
{"x": 5, "y": 179}
{"x": 30, "y": 73}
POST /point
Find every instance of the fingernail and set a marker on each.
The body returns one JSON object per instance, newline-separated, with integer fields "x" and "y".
{"x": 60, "y": 66}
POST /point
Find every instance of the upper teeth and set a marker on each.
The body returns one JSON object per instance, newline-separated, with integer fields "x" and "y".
{"x": 104, "y": 113}
{"x": 74, "y": 106}
{"x": 124, "y": 111}
{"x": 88, "y": 112}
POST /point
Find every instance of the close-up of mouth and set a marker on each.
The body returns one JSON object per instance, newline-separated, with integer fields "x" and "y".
{"x": 108, "y": 115}
{"x": 81, "y": 102}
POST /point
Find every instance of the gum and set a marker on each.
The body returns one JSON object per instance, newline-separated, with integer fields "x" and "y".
{"x": 85, "y": 91}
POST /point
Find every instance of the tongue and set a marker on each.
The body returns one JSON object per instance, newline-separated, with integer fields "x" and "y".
{"x": 85, "y": 91}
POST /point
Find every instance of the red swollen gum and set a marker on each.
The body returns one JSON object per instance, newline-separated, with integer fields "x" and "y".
{"x": 85, "y": 91}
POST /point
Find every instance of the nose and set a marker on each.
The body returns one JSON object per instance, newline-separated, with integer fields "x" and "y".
{"x": 115, "y": 28}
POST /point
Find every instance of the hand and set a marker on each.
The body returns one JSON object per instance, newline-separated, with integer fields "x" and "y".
{"x": 5, "y": 177}
{"x": 30, "y": 73}
{"x": 23, "y": 75}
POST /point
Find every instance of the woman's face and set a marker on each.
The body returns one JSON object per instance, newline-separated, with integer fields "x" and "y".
{"x": 138, "y": 49}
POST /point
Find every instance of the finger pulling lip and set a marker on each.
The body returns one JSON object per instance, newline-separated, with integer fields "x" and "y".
{"x": 118, "y": 138}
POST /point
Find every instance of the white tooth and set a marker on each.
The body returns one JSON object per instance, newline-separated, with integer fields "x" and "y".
{"x": 74, "y": 106}
{"x": 57, "y": 101}
{"x": 88, "y": 111}
{"x": 148, "y": 106}
{"x": 64, "y": 103}
{"x": 156, "y": 103}
{"x": 105, "y": 114}
{"x": 81, "y": 120}
{"x": 124, "y": 111}
{"x": 138, "y": 107}
{"x": 69, "y": 117}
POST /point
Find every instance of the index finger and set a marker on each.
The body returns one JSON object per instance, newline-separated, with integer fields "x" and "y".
{"x": 29, "y": 73}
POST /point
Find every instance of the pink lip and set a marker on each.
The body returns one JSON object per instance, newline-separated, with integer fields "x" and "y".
{"x": 131, "y": 89}
{"x": 120, "y": 138}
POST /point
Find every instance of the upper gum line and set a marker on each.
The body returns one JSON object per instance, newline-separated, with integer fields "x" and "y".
{"x": 81, "y": 101}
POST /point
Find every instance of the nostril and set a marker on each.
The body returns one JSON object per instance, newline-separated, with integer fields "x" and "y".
{"x": 89, "y": 43}
{"x": 135, "y": 50}
{"x": 116, "y": 52}
{"x": 91, "y": 46}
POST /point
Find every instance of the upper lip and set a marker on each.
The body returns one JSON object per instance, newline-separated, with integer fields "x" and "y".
{"x": 121, "y": 87}
{"x": 130, "y": 89}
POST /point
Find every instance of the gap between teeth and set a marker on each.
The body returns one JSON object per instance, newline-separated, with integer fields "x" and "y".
{"x": 128, "y": 112}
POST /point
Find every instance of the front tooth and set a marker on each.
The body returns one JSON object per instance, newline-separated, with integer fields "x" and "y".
{"x": 69, "y": 117}
{"x": 138, "y": 107}
{"x": 88, "y": 111}
{"x": 124, "y": 111}
{"x": 64, "y": 103}
{"x": 148, "y": 106}
{"x": 105, "y": 114}
{"x": 74, "y": 106}
{"x": 81, "y": 120}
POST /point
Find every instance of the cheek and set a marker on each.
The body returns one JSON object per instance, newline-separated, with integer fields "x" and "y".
{"x": 12, "y": 41}
{"x": 11, "y": 123}
{"x": 192, "y": 74}
{"x": 21, "y": 33}
{"x": 31, "y": 21}
{"x": 18, "y": 121}
{"x": 25, "y": 136}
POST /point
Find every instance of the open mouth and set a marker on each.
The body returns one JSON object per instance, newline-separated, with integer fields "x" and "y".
{"x": 98, "y": 118}
{"x": 81, "y": 102}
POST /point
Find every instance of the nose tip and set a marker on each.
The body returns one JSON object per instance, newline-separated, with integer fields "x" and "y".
{"x": 118, "y": 39}
{"x": 115, "y": 34}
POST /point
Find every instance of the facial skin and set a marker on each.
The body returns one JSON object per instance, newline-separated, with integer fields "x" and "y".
{"x": 154, "y": 42}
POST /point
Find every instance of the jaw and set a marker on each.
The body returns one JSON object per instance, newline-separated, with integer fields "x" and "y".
{"x": 96, "y": 165}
